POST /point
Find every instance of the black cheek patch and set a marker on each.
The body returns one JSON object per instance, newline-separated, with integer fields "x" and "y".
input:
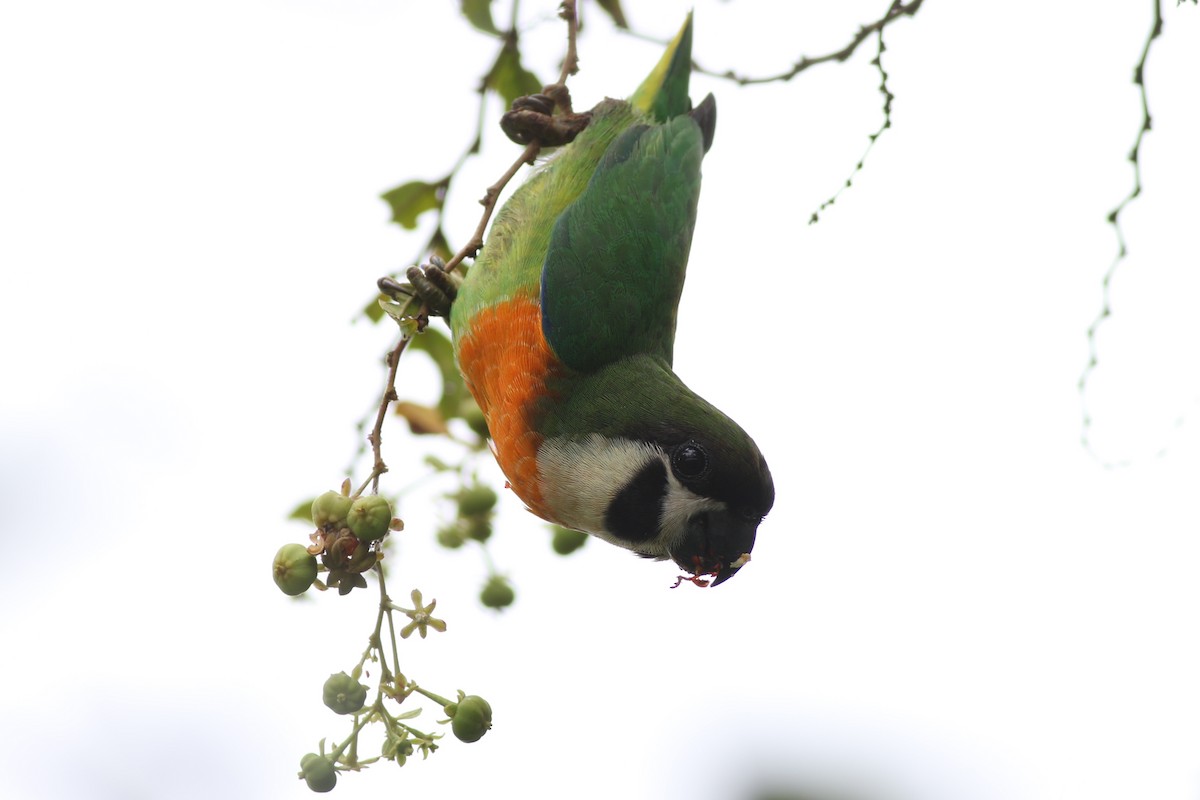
{"x": 634, "y": 513}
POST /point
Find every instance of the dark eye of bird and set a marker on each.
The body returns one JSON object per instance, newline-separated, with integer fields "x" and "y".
{"x": 689, "y": 461}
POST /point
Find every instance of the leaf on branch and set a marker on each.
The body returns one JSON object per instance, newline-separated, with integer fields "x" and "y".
{"x": 479, "y": 14}
{"x": 380, "y": 305}
{"x": 401, "y": 314}
{"x": 402, "y": 311}
{"x": 412, "y": 200}
{"x": 303, "y": 511}
{"x": 422, "y": 420}
{"x": 373, "y": 311}
{"x": 508, "y": 78}
{"x": 613, "y": 8}
{"x": 439, "y": 246}
{"x": 437, "y": 464}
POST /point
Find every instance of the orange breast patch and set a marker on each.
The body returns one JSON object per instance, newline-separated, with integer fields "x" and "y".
{"x": 506, "y": 362}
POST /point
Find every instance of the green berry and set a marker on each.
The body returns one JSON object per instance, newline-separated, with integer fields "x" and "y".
{"x": 318, "y": 772}
{"x": 497, "y": 593}
{"x": 294, "y": 569}
{"x": 370, "y": 517}
{"x": 567, "y": 541}
{"x": 471, "y": 718}
{"x": 343, "y": 694}
{"x": 330, "y": 510}
{"x": 474, "y": 501}
{"x": 479, "y": 528}
{"x": 452, "y": 537}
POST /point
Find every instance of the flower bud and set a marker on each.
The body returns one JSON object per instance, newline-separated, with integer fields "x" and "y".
{"x": 397, "y": 748}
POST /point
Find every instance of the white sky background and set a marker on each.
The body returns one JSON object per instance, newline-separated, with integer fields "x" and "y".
{"x": 951, "y": 599}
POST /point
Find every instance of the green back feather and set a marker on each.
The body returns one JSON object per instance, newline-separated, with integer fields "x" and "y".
{"x": 601, "y": 232}
{"x": 614, "y": 271}
{"x": 510, "y": 264}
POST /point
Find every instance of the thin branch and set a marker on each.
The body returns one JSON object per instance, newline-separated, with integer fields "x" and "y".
{"x": 389, "y": 395}
{"x": 488, "y": 201}
{"x": 1115, "y": 221}
{"x": 472, "y": 247}
{"x": 888, "y": 97}
{"x": 894, "y": 12}
{"x": 472, "y": 149}
{"x": 570, "y": 67}
{"x": 571, "y": 61}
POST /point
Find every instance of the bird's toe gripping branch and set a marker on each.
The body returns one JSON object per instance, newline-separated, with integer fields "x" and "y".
{"x": 533, "y": 118}
{"x": 429, "y": 283}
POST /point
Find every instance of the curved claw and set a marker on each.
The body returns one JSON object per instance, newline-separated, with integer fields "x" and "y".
{"x": 435, "y": 286}
{"x": 534, "y": 102}
{"x": 429, "y": 283}
{"x": 394, "y": 289}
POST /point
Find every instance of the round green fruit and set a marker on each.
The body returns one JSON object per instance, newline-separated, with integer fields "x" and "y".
{"x": 472, "y": 718}
{"x": 318, "y": 772}
{"x": 370, "y": 517}
{"x": 479, "y": 528}
{"x": 452, "y": 537}
{"x": 343, "y": 694}
{"x": 294, "y": 569}
{"x": 330, "y": 510}
{"x": 476, "y": 500}
{"x": 567, "y": 541}
{"x": 497, "y": 593}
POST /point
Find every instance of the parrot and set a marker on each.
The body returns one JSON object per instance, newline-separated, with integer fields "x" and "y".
{"x": 564, "y": 329}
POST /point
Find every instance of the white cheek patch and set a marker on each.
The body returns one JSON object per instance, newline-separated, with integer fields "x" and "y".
{"x": 580, "y": 477}
{"x": 679, "y": 506}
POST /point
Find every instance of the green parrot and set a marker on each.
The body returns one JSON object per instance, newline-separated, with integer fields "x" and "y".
{"x": 564, "y": 329}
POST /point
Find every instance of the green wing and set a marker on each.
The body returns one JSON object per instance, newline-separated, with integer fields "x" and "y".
{"x": 615, "y": 266}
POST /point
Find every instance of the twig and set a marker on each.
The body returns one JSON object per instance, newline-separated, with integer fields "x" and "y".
{"x": 571, "y": 61}
{"x": 488, "y": 201}
{"x": 894, "y": 12}
{"x": 570, "y": 67}
{"x": 471, "y": 248}
{"x": 888, "y": 97}
{"x": 1115, "y": 222}
{"x": 472, "y": 149}
{"x": 389, "y": 395}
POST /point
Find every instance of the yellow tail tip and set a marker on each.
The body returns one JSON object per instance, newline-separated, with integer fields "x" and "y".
{"x": 664, "y": 92}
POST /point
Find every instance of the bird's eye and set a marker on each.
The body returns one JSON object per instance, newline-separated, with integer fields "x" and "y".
{"x": 689, "y": 461}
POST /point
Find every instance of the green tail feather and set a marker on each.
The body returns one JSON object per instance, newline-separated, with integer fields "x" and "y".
{"x": 664, "y": 93}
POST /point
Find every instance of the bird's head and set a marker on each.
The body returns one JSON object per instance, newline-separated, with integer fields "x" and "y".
{"x": 658, "y": 470}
